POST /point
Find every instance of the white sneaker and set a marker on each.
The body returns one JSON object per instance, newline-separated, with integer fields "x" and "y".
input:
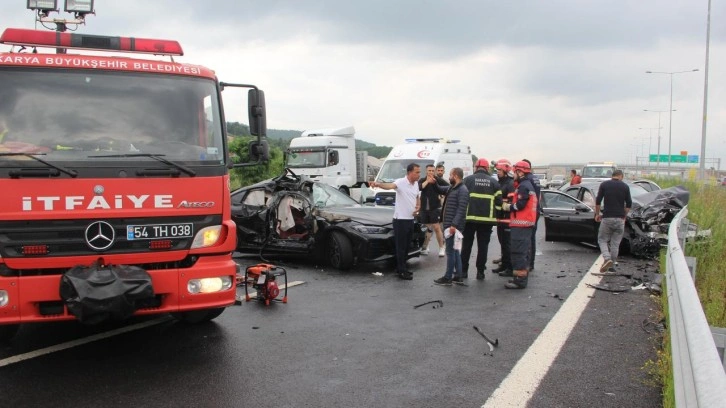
{"x": 442, "y": 251}
{"x": 425, "y": 251}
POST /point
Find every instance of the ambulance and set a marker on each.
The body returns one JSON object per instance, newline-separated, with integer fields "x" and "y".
{"x": 422, "y": 151}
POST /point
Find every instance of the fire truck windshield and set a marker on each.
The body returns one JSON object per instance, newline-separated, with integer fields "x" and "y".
{"x": 81, "y": 116}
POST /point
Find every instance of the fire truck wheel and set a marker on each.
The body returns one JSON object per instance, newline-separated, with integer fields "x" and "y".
{"x": 7, "y": 331}
{"x": 198, "y": 316}
{"x": 340, "y": 251}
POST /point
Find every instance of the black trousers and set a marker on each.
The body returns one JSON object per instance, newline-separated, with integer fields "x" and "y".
{"x": 521, "y": 247}
{"x": 504, "y": 234}
{"x": 483, "y": 233}
{"x": 402, "y": 236}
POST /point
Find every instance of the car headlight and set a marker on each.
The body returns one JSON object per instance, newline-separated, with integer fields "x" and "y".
{"x": 207, "y": 237}
{"x": 367, "y": 229}
{"x": 209, "y": 285}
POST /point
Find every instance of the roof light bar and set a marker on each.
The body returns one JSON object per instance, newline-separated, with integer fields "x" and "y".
{"x": 36, "y": 38}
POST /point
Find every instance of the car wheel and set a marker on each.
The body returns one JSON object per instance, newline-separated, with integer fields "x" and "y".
{"x": 344, "y": 190}
{"x": 7, "y": 331}
{"x": 340, "y": 251}
{"x": 198, "y": 316}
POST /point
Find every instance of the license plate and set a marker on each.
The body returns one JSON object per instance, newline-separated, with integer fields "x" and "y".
{"x": 158, "y": 231}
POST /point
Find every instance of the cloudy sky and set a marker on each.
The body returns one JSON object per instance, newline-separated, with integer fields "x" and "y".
{"x": 557, "y": 81}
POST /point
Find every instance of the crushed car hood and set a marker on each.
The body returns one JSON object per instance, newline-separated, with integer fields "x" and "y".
{"x": 661, "y": 205}
{"x": 365, "y": 215}
{"x": 650, "y": 218}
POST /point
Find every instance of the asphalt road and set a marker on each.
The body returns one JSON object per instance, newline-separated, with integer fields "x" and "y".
{"x": 355, "y": 339}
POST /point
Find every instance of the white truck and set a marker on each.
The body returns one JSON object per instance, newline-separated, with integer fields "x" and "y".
{"x": 329, "y": 156}
{"x": 598, "y": 171}
{"x": 422, "y": 151}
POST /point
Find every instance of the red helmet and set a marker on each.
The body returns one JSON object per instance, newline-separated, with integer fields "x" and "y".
{"x": 523, "y": 166}
{"x": 482, "y": 163}
{"x": 504, "y": 165}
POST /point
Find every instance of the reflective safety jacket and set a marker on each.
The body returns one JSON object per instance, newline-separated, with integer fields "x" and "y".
{"x": 507, "y": 188}
{"x": 523, "y": 213}
{"x": 485, "y": 197}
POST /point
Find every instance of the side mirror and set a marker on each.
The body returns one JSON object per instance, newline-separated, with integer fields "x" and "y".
{"x": 333, "y": 158}
{"x": 259, "y": 151}
{"x": 257, "y": 112}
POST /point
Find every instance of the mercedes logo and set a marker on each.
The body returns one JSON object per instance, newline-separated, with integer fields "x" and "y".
{"x": 100, "y": 235}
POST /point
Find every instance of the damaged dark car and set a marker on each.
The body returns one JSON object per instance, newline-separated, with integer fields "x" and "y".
{"x": 294, "y": 215}
{"x": 569, "y": 216}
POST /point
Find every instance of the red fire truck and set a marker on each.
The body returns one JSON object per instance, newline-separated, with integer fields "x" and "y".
{"x": 114, "y": 174}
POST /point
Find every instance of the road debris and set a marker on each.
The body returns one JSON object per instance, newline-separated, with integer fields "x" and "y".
{"x": 606, "y": 287}
{"x": 491, "y": 344}
{"x": 438, "y": 303}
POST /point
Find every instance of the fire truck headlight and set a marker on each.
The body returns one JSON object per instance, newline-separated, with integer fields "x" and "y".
{"x": 4, "y": 298}
{"x": 207, "y": 237}
{"x": 209, "y": 285}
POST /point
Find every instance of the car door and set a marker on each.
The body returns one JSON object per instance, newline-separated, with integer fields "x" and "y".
{"x": 567, "y": 218}
{"x": 249, "y": 211}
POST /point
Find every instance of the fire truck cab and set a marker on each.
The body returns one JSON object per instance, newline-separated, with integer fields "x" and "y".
{"x": 114, "y": 172}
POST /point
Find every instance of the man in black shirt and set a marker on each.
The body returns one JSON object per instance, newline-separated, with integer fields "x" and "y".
{"x": 430, "y": 208}
{"x": 616, "y": 195}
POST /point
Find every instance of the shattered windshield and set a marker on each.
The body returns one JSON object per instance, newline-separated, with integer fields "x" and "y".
{"x": 325, "y": 196}
{"x": 84, "y": 115}
{"x": 395, "y": 169}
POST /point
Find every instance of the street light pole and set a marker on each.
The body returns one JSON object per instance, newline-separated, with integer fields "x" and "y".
{"x": 702, "y": 164}
{"x": 650, "y": 139}
{"x": 670, "y": 113}
{"x": 657, "y": 162}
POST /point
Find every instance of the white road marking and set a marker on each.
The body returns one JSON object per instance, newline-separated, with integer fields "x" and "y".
{"x": 78, "y": 342}
{"x": 534, "y": 364}
{"x": 100, "y": 336}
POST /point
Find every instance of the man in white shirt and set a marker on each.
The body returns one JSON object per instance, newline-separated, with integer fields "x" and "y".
{"x": 405, "y": 210}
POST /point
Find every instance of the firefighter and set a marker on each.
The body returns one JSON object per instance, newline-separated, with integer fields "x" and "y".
{"x": 504, "y": 169}
{"x": 484, "y": 197}
{"x": 522, "y": 218}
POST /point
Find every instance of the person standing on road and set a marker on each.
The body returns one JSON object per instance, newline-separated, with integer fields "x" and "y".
{"x": 404, "y": 212}
{"x": 430, "y": 208}
{"x": 523, "y": 216}
{"x": 484, "y": 198}
{"x": 537, "y": 189}
{"x": 576, "y": 179}
{"x": 441, "y": 175}
{"x": 506, "y": 183}
{"x": 617, "y": 204}
{"x": 453, "y": 215}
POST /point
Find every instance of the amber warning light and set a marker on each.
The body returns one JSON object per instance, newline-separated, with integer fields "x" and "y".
{"x": 36, "y": 38}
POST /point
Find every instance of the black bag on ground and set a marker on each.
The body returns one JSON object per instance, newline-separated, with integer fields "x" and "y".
{"x": 97, "y": 293}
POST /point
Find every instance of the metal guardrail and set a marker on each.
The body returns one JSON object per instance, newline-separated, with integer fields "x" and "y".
{"x": 699, "y": 377}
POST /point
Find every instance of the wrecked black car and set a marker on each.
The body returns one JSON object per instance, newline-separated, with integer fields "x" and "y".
{"x": 569, "y": 216}
{"x": 292, "y": 214}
